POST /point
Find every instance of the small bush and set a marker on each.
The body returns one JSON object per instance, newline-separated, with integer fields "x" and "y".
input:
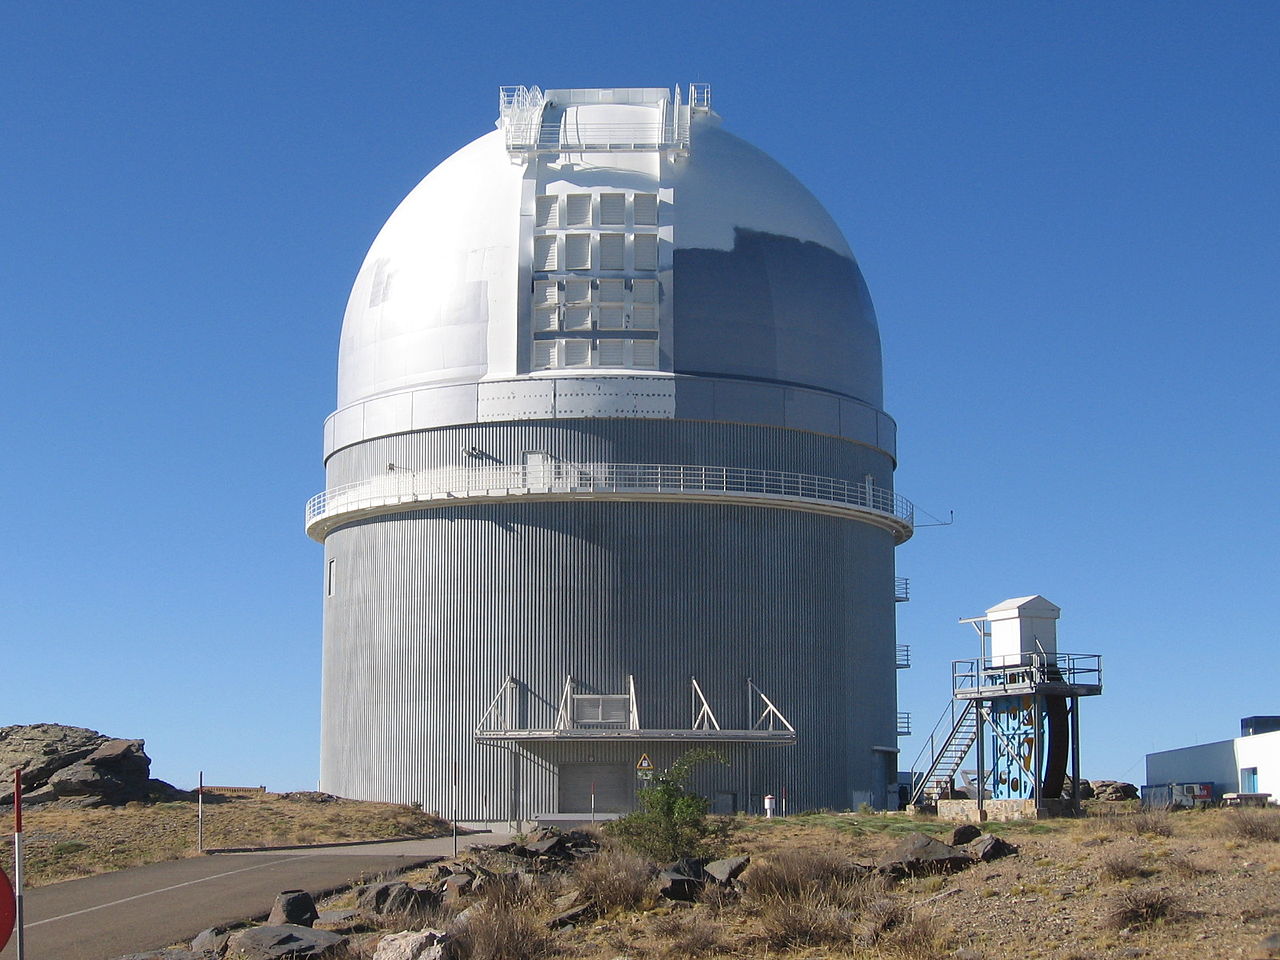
{"x": 1122, "y": 866}
{"x": 1182, "y": 865}
{"x": 616, "y": 879}
{"x": 1142, "y": 908}
{"x": 671, "y": 822}
{"x": 68, "y": 847}
{"x": 1253, "y": 823}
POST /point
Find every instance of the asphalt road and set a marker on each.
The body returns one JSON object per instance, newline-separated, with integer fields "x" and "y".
{"x": 162, "y": 904}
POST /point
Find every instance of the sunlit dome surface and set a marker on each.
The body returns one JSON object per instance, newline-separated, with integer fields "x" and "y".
{"x": 751, "y": 279}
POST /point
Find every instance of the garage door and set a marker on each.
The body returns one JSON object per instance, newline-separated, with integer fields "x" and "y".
{"x": 613, "y": 787}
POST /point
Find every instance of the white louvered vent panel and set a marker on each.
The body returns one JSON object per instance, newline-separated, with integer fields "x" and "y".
{"x": 577, "y": 291}
{"x": 546, "y": 318}
{"x": 644, "y": 317}
{"x": 613, "y": 208}
{"x": 644, "y": 291}
{"x": 644, "y": 353}
{"x": 577, "y": 353}
{"x": 646, "y": 251}
{"x": 544, "y": 253}
{"x": 544, "y": 354}
{"x": 610, "y": 317}
{"x": 612, "y": 246}
{"x": 610, "y": 353}
{"x": 611, "y": 291}
{"x": 578, "y": 210}
{"x": 646, "y": 209}
{"x": 545, "y": 292}
{"x": 547, "y": 210}
{"x": 577, "y": 251}
{"x": 577, "y": 318}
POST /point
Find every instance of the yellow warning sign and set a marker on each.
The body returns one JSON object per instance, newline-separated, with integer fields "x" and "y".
{"x": 644, "y": 763}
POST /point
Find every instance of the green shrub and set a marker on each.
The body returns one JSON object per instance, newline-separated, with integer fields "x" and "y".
{"x": 671, "y": 822}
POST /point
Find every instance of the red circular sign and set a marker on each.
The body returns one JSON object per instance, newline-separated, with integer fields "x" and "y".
{"x": 8, "y": 908}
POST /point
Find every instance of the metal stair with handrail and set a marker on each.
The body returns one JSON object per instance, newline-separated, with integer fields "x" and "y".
{"x": 948, "y": 752}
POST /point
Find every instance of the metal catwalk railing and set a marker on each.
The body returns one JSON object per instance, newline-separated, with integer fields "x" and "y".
{"x": 401, "y": 489}
{"x": 527, "y": 131}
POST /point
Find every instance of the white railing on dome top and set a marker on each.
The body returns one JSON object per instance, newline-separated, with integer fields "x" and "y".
{"x": 400, "y": 486}
{"x": 521, "y": 110}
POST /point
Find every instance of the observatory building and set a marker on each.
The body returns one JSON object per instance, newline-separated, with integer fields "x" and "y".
{"x": 608, "y": 479}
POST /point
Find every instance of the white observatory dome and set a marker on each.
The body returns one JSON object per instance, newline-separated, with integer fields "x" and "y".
{"x": 758, "y": 306}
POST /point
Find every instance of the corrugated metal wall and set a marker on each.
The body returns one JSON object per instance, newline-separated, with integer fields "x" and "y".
{"x": 432, "y": 610}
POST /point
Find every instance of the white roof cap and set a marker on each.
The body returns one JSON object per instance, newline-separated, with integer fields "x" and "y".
{"x": 1033, "y": 606}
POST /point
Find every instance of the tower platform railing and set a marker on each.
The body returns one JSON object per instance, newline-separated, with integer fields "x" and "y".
{"x": 401, "y": 490}
{"x": 1064, "y": 674}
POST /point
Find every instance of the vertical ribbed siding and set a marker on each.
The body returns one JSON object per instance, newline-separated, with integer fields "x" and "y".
{"x": 434, "y": 609}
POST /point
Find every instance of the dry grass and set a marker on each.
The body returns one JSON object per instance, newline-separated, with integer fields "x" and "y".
{"x": 800, "y": 873}
{"x": 816, "y": 920}
{"x": 617, "y": 879}
{"x": 1153, "y": 822}
{"x": 65, "y": 842}
{"x": 1137, "y": 909}
{"x": 1252, "y": 824}
{"x": 689, "y": 935}
{"x": 493, "y": 931}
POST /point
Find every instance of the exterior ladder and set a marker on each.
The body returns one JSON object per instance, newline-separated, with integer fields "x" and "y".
{"x": 946, "y": 761}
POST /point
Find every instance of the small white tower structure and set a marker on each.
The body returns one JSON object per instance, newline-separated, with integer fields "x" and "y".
{"x": 1022, "y": 627}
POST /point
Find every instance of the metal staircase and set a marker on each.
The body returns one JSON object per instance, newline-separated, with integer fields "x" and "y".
{"x": 949, "y": 743}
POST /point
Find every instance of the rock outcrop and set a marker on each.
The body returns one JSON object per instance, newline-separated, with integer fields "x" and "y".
{"x": 1113, "y": 790}
{"x": 78, "y": 766}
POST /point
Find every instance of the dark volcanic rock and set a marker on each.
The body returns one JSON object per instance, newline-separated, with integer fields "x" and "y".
{"x": 210, "y": 941}
{"x": 1268, "y": 948}
{"x": 990, "y": 848}
{"x": 293, "y": 906}
{"x": 392, "y": 898}
{"x": 964, "y": 833}
{"x": 920, "y": 855}
{"x": 726, "y": 870}
{"x": 286, "y": 940}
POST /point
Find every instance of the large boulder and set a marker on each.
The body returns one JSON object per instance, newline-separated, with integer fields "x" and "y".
{"x": 286, "y": 941}
{"x": 394, "y": 898}
{"x": 412, "y": 945}
{"x": 294, "y": 906}
{"x": 40, "y": 750}
{"x": 117, "y": 772}
{"x": 920, "y": 855}
{"x": 1113, "y": 790}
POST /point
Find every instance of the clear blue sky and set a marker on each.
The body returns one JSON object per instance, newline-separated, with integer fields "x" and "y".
{"x": 1067, "y": 214}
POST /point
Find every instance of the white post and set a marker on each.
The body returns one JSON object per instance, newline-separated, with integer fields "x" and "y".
{"x": 200, "y": 814}
{"x": 17, "y": 865}
{"x": 769, "y": 804}
{"x": 593, "y": 801}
